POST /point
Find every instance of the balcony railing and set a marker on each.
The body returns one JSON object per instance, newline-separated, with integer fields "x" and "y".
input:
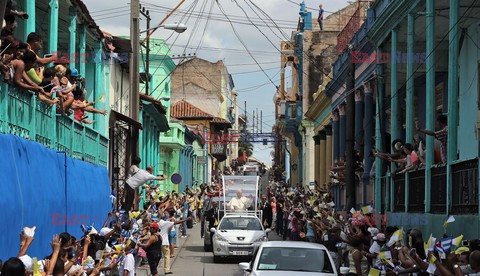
{"x": 399, "y": 193}
{"x": 465, "y": 187}
{"x": 349, "y": 31}
{"x": 416, "y": 191}
{"x": 23, "y": 115}
{"x": 438, "y": 190}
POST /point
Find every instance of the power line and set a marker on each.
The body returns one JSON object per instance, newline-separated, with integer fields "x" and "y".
{"x": 243, "y": 43}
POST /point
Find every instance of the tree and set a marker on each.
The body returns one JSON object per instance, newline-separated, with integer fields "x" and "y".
{"x": 244, "y": 145}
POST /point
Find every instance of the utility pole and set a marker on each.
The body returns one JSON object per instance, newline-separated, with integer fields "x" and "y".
{"x": 253, "y": 126}
{"x": 146, "y": 13}
{"x": 261, "y": 121}
{"x": 350, "y": 134}
{"x": 134, "y": 70}
{"x": 257, "y": 120}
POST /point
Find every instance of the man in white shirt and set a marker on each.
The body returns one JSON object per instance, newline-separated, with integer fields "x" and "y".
{"x": 165, "y": 226}
{"x": 137, "y": 178}
{"x": 127, "y": 266}
{"x": 239, "y": 203}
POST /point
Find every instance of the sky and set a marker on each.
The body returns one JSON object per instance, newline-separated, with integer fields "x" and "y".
{"x": 250, "y": 51}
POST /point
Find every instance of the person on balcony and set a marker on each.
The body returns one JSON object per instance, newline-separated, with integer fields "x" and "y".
{"x": 35, "y": 43}
{"x": 411, "y": 160}
{"x": 24, "y": 64}
{"x": 441, "y": 134}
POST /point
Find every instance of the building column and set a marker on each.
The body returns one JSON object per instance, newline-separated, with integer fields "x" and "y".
{"x": 452, "y": 95}
{"x": 394, "y": 131}
{"x": 359, "y": 113}
{"x": 343, "y": 131}
{"x": 410, "y": 90}
{"x": 430, "y": 94}
{"x": 368, "y": 126}
{"x": 328, "y": 154}
{"x": 53, "y": 33}
{"x": 30, "y": 23}
{"x": 82, "y": 48}
{"x": 379, "y": 122}
{"x": 99, "y": 124}
{"x": 323, "y": 144}
{"x": 318, "y": 180}
{"x": 336, "y": 135}
{"x": 73, "y": 32}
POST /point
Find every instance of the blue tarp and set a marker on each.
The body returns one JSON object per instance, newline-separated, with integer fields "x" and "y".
{"x": 33, "y": 192}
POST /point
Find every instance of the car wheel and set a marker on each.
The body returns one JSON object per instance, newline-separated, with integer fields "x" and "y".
{"x": 216, "y": 259}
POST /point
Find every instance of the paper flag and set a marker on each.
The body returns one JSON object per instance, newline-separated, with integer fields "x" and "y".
{"x": 449, "y": 220}
{"x": 385, "y": 255}
{"x": 456, "y": 242}
{"x": 36, "y": 268}
{"x": 430, "y": 244}
{"x": 101, "y": 99}
{"x": 312, "y": 201}
{"x": 432, "y": 259}
{"x": 29, "y": 232}
{"x": 396, "y": 236}
{"x": 331, "y": 204}
{"x": 352, "y": 210}
{"x": 374, "y": 272}
{"x": 367, "y": 209}
{"x": 431, "y": 269}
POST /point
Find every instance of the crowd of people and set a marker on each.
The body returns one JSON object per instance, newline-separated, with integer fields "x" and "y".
{"x": 49, "y": 77}
{"x": 361, "y": 240}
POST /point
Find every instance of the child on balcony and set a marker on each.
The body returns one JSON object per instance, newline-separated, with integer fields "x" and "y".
{"x": 64, "y": 90}
{"x": 80, "y": 105}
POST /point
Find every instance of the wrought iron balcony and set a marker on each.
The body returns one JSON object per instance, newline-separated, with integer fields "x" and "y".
{"x": 22, "y": 114}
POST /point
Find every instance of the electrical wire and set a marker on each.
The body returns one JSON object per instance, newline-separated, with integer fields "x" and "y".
{"x": 243, "y": 43}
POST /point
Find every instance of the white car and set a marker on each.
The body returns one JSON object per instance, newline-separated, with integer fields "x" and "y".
{"x": 290, "y": 258}
{"x": 237, "y": 235}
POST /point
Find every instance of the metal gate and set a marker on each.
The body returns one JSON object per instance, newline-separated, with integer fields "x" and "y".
{"x": 123, "y": 138}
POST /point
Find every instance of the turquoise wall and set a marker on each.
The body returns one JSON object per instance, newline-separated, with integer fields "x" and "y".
{"x": 468, "y": 95}
{"x": 434, "y": 225}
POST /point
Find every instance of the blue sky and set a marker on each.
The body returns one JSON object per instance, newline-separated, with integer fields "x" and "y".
{"x": 218, "y": 41}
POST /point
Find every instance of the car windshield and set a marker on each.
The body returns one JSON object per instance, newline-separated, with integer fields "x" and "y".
{"x": 254, "y": 173}
{"x": 240, "y": 224}
{"x": 294, "y": 259}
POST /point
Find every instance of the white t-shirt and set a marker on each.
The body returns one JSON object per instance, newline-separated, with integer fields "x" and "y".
{"x": 128, "y": 263}
{"x": 139, "y": 178}
{"x": 164, "y": 227}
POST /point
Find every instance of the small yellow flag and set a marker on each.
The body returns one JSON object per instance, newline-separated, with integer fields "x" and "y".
{"x": 374, "y": 272}
{"x": 432, "y": 259}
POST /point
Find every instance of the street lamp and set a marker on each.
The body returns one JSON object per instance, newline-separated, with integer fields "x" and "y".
{"x": 179, "y": 28}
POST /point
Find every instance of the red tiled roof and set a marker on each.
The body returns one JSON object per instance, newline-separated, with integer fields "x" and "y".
{"x": 184, "y": 109}
{"x": 217, "y": 120}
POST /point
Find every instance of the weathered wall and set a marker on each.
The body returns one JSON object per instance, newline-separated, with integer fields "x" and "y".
{"x": 202, "y": 84}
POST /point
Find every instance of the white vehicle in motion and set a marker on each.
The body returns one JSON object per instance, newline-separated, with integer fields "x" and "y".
{"x": 237, "y": 235}
{"x": 281, "y": 258}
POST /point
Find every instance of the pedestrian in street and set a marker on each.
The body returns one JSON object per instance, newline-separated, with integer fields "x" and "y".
{"x": 137, "y": 177}
{"x": 267, "y": 212}
{"x": 127, "y": 266}
{"x": 279, "y": 226}
{"x": 212, "y": 217}
{"x": 153, "y": 247}
{"x": 165, "y": 226}
{"x": 320, "y": 16}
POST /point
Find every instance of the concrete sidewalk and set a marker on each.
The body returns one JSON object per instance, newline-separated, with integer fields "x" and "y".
{"x": 145, "y": 269}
